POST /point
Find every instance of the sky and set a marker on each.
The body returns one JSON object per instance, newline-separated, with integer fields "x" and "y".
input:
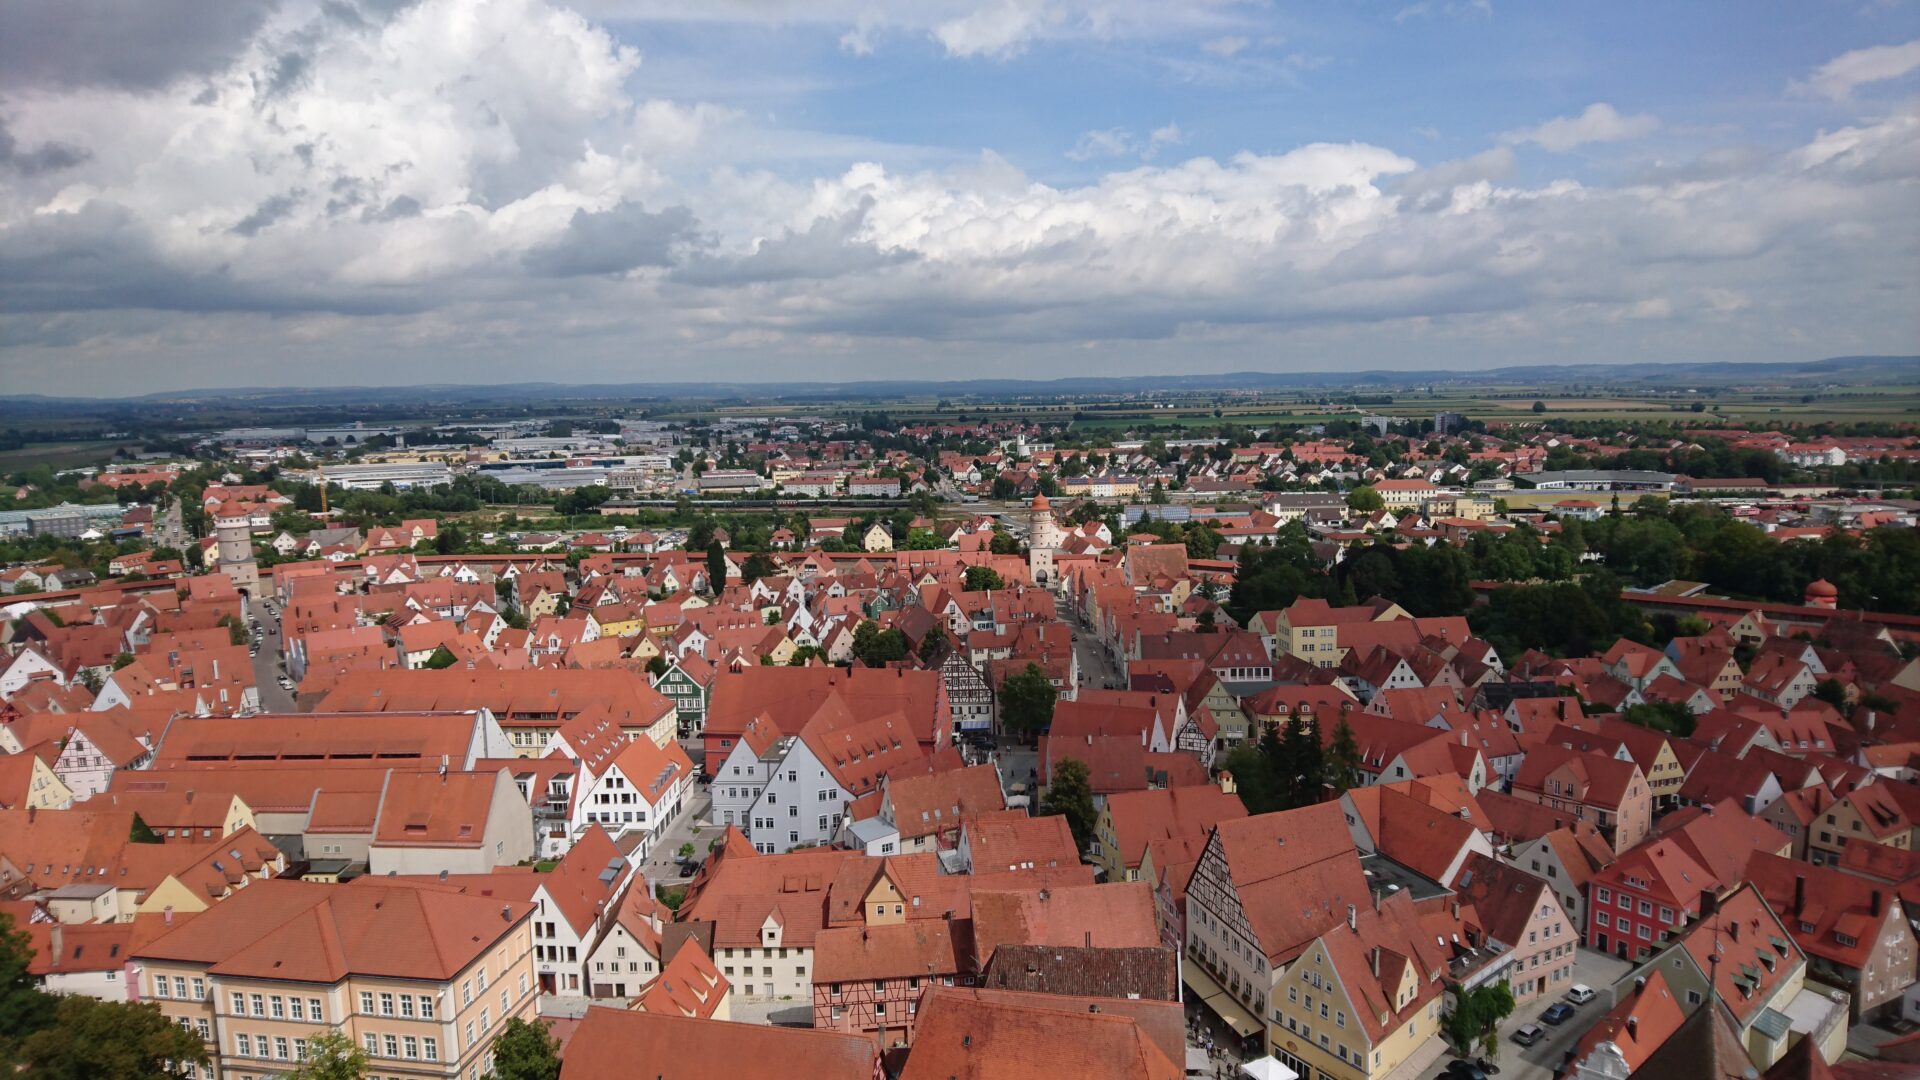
{"x": 388, "y": 192}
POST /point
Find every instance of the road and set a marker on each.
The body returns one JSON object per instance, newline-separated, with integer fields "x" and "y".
{"x": 170, "y": 529}
{"x": 266, "y": 665}
{"x": 1537, "y": 1062}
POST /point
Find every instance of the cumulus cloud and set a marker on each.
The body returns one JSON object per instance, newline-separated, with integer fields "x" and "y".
{"x": 1838, "y": 77}
{"x": 108, "y": 42}
{"x": 1600, "y": 123}
{"x": 452, "y": 187}
{"x": 46, "y": 157}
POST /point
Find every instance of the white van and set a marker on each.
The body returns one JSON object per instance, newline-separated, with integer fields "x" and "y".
{"x": 1580, "y": 994}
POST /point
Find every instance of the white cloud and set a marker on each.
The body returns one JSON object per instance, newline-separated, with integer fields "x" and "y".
{"x": 474, "y": 190}
{"x": 1838, "y": 77}
{"x": 1600, "y": 123}
{"x": 1119, "y": 142}
{"x": 1113, "y": 142}
{"x": 997, "y": 30}
{"x": 1452, "y": 9}
{"x": 1226, "y": 46}
{"x": 1162, "y": 137}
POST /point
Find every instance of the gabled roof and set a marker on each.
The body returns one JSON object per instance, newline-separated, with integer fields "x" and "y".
{"x": 1644, "y": 1018}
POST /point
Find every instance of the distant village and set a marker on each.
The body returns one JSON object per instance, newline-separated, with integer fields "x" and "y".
{"x": 1378, "y": 748}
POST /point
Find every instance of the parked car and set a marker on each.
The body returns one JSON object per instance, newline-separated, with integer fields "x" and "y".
{"x": 1463, "y": 1070}
{"x": 1557, "y": 1013}
{"x": 1528, "y": 1034}
{"x": 1580, "y": 994}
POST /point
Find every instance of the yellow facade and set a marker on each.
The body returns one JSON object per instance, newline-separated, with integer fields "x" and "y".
{"x": 416, "y": 1029}
{"x": 1312, "y": 985}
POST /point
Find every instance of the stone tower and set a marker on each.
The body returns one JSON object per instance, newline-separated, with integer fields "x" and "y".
{"x": 1043, "y": 539}
{"x": 234, "y": 532}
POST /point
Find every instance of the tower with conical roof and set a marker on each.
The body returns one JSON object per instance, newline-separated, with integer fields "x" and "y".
{"x": 1043, "y": 540}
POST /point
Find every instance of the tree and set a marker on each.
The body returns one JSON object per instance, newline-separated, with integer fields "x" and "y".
{"x": 1003, "y": 543}
{"x": 1539, "y": 407}
{"x": 1343, "y": 758}
{"x": 23, "y": 1008}
{"x": 875, "y": 647}
{"x": 758, "y": 566}
{"x": 1671, "y": 717}
{"x": 141, "y": 832}
{"x": 527, "y": 1051}
{"x": 91, "y": 1038}
{"x": 1476, "y": 1018}
{"x": 1831, "y": 692}
{"x": 1364, "y": 499}
{"x": 656, "y": 665}
{"x": 1252, "y": 779}
{"x": 931, "y": 644}
{"x": 331, "y": 1056}
{"x": 984, "y": 578}
{"x": 442, "y": 658}
{"x": 716, "y": 566}
{"x": 1026, "y": 703}
{"x": 1070, "y": 795}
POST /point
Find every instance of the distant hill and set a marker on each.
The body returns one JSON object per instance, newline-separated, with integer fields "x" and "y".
{"x": 1852, "y": 370}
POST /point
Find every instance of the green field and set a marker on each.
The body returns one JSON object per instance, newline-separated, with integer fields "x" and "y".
{"x": 60, "y": 455}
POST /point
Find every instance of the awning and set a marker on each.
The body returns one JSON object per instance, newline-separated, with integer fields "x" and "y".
{"x": 1215, "y": 997}
{"x": 1268, "y": 1068}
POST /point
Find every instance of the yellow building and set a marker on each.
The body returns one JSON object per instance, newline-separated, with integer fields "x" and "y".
{"x": 1362, "y": 998}
{"x": 29, "y": 783}
{"x": 422, "y": 979}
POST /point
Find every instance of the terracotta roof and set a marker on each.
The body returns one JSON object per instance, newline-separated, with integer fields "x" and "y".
{"x": 922, "y": 948}
{"x": 617, "y": 1044}
{"x": 973, "y": 1034}
{"x": 931, "y": 802}
{"x": 303, "y": 740}
{"x": 690, "y": 985}
{"x": 1639, "y": 1022}
{"x": 307, "y": 932}
{"x": 1141, "y": 817}
{"x": 424, "y": 809}
{"x": 1011, "y": 840}
{"x": 1114, "y": 915}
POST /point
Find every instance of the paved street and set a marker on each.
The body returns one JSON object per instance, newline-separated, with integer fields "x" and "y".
{"x": 660, "y": 868}
{"x": 1537, "y": 1062}
{"x": 170, "y": 529}
{"x": 266, "y": 666}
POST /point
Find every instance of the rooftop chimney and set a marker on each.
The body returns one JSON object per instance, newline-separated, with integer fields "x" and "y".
{"x": 1799, "y": 893}
{"x": 1353, "y": 917}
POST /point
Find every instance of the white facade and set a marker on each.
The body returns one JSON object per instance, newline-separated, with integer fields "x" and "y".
{"x": 619, "y": 805}
{"x": 736, "y": 787}
{"x": 801, "y": 804}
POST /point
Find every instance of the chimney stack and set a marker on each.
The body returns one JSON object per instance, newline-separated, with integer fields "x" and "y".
{"x": 1353, "y": 917}
{"x": 1376, "y": 961}
{"x": 1799, "y": 894}
{"x": 1633, "y": 1026}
